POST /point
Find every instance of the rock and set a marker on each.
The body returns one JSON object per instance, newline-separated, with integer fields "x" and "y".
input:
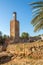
{"x": 0, "y": 48}
{"x": 5, "y": 57}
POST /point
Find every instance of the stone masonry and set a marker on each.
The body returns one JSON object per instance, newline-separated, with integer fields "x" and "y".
{"x": 14, "y": 27}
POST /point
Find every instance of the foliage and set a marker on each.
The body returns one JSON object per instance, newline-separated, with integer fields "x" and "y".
{"x": 0, "y": 34}
{"x": 5, "y": 36}
{"x": 37, "y": 12}
{"x": 25, "y": 35}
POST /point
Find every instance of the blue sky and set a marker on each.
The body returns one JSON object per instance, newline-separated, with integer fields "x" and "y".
{"x": 24, "y": 15}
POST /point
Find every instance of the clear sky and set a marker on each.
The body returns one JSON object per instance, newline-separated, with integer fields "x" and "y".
{"x": 24, "y": 15}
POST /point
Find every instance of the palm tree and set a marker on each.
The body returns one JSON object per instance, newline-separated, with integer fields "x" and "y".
{"x": 37, "y": 11}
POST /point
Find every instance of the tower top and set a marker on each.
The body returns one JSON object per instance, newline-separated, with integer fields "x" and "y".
{"x": 14, "y": 12}
{"x": 14, "y": 15}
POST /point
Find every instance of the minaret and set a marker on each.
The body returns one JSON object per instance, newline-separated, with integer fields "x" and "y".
{"x": 14, "y": 15}
{"x": 14, "y": 27}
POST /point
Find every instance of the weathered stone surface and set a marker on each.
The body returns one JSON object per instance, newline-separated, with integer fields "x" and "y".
{"x": 20, "y": 52}
{"x": 14, "y": 29}
{"x": 1, "y": 48}
{"x": 5, "y": 57}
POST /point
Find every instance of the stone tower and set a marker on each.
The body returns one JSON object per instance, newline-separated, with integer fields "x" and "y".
{"x": 14, "y": 27}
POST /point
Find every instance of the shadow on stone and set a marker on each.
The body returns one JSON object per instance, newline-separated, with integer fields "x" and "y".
{"x": 4, "y": 59}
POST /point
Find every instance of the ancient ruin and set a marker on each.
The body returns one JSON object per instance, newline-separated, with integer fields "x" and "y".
{"x": 14, "y": 27}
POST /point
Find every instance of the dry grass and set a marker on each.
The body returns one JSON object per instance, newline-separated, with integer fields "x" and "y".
{"x": 23, "y": 55}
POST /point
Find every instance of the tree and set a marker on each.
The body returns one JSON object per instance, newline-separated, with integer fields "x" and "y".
{"x": 25, "y": 35}
{"x": 37, "y": 12}
{"x": 0, "y": 34}
{"x": 1, "y": 37}
{"x": 5, "y": 36}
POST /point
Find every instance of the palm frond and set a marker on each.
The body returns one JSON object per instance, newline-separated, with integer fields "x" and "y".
{"x": 36, "y": 10}
{"x": 38, "y": 26}
{"x": 35, "y": 18}
{"x": 36, "y": 13}
{"x": 38, "y": 21}
{"x": 37, "y": 6}
{"x": 39, "y": 2}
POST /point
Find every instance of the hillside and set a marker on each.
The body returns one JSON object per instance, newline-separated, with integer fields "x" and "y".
{"x": 23, "y": 54}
